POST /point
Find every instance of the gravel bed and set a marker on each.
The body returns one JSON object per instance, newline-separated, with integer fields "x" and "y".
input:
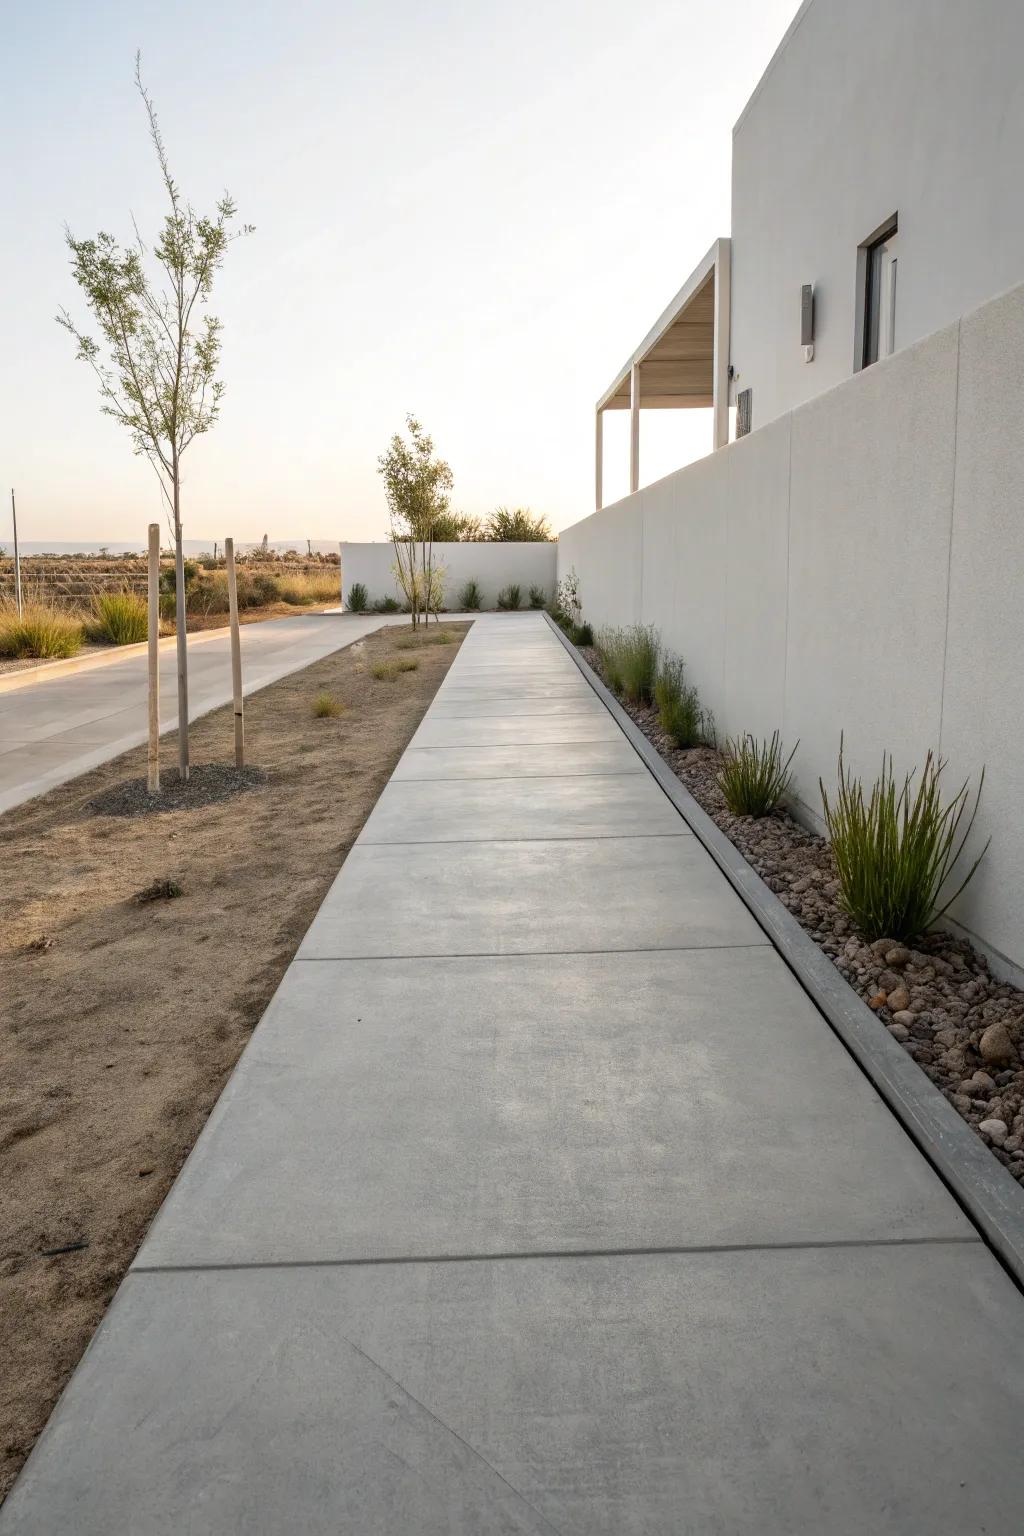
{"x": 206, "y": 784}
{"x": 963, "y": 1027}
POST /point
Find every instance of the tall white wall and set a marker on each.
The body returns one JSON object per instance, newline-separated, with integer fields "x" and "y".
{"x": 857, "y": 566}
{"x": 868, "y": 109}
{"x": 493, "y": 566}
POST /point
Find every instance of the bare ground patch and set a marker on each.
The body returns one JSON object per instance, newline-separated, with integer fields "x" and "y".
{"x": 122, "y": 1017}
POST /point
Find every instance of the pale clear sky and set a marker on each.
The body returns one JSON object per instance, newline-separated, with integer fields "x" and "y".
{"x": 470, "y": 211}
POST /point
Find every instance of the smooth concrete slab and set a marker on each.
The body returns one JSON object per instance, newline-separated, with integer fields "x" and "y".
{"x": 543, "y": 1103}
{"x": 558, "y": 759}
{"x": 527, "y": 897}
{"x": 622, "y": 804}
{"x": 512, "y": 730}
{"x": 841, "y": 1391}
{"x": 509, "y": 706}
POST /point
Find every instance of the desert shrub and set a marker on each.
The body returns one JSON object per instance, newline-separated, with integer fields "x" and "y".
{"x": 470, "y": 598}
{"x": 358, "y": 598}
{"x": 680, "y": 714}
{"x": 538, "y": 597}
{"x": 630, "y": 659}
{"x": 582, "y": 634}
{"x": 387, "y": 605}
{"x": 40, "y": 632}
{"x": 120, "y": 617}
{"x": 896, "y": 850}
{"x": 326, "y": 706}
{"x": 754, "y": 778}
{"x": 510, "y": 597}
{"x": 518, "y": 525}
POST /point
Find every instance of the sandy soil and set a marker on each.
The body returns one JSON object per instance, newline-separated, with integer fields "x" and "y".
{"x": 121, "y": 1019}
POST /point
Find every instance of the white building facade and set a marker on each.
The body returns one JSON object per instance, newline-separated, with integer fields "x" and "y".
{"x": 879, "y": 160}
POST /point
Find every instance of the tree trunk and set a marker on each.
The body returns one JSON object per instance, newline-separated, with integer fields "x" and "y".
{"x": 181, "y": 644}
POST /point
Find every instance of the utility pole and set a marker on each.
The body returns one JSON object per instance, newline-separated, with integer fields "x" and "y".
{"x": 17, "y": 556}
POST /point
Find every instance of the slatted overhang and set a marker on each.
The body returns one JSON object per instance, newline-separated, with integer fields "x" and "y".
{"x": 676, "y": 359}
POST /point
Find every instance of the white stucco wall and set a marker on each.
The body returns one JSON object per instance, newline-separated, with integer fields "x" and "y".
{"x": 869, "y": 109}
{"x": 493, "y": 566}
{"x": 857, "y": 566}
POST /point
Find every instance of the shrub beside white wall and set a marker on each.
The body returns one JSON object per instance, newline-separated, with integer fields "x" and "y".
{"x": 857, "y": 566}
{"x": 492, "y": 566}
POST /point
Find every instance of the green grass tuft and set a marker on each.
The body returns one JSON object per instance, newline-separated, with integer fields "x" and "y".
{"x": 896, "y": 850}
{"x": 470, "y": 599}
{"x": 510, "y": 597}
{"x": 680, "y": 713}
{"x": 326, "y": 706}
{"x": 754, "y": 778}
{"x": 630, "y": 660}
{"x": 358, "y": 598}
{"x": 120, "y": 617}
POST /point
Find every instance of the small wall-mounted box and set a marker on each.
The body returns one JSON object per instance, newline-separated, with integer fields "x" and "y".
{"x": 807, "y": 320}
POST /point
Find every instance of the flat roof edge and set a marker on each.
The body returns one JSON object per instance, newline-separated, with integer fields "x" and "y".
{"x": 787, "y": 38}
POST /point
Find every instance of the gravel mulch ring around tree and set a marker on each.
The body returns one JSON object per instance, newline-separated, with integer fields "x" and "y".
{"x": 963, "y": 1027}
{"x": 207, "y": 784}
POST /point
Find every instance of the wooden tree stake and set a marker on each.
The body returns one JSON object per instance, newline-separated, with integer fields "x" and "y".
{"x": 153, "y": 780}
{"x": 236, "y": 654}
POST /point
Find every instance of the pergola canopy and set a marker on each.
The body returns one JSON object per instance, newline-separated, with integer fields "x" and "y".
{"x": 683, "y": 360}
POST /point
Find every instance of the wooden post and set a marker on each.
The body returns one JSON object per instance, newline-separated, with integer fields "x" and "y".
{"x": 634, "y": 429}
{"x": 236, "y": 654}
{"x": 599, "y": 459}
{"x": 153, "y": 780}
{"x": 17, "y": 555}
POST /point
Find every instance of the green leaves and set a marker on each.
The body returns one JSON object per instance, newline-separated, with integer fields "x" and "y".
{"x": 754, "y": 778}
{"x": 505, "y": 526}
{"x": 416, "y": 483}
{"x": 155, "y": 364}
{"x": 896, "y": 850}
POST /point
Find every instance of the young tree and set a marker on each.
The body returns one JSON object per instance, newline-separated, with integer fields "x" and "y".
{"x": 156, "y": 362}
{"x": 416, "y": 485}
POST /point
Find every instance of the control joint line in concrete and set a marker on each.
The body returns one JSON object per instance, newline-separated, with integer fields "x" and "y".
{"x": 506, "y": 1255}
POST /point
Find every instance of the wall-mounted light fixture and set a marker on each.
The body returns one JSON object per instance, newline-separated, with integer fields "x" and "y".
{"x": 807, "y": 321}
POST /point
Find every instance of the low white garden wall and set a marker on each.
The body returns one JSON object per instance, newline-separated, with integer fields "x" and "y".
{"x": 857, "y": 566}
{"x": 492, "y": 566}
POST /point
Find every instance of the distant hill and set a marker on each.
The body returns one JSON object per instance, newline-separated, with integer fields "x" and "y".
{"x": 192, "y": 546}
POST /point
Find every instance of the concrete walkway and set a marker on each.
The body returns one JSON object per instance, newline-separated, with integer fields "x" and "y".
{"x": 542, "y": 1200}
{"x": 57, "y": 727}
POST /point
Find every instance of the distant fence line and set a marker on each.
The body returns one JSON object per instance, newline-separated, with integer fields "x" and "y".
{"x": 68, "y": 581}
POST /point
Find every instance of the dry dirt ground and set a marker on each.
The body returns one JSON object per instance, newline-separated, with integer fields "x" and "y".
{"x": 120, "y": 1018}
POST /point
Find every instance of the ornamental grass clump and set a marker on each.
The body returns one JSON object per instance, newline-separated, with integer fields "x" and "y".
{"x": 680, "y": 714}
{"x": 754, "y": 777}
{"x": 40, "y": 632}
{"x": 119, "y": 617}
{"x": 358, "y": 598}
{"x": 470, "y": 599}
{"x": 511, "y": 597}
{"x": 895, "y": 852}
{"x": 630, "y": 661}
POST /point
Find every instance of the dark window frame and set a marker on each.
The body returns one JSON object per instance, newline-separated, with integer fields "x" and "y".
{"x": 866, "y": 288}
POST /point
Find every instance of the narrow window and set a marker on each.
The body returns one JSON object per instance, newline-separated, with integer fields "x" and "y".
{"x": 878, "y": 310}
